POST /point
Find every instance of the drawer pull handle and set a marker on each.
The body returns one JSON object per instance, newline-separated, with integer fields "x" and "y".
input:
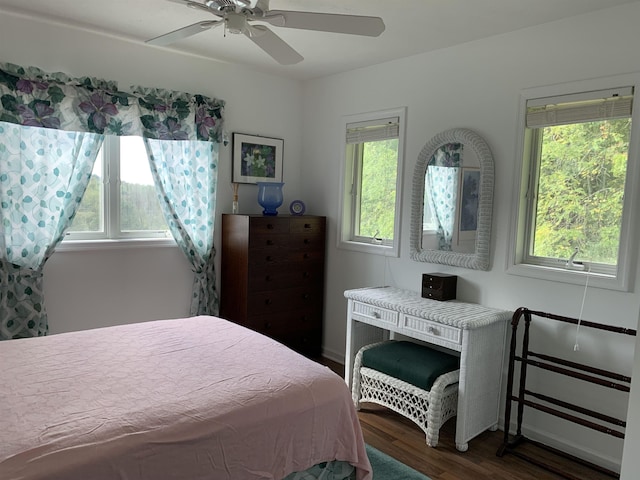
{"x": 375, "y": 314}
{"x": 305, "y": 274}
{"x": 269, "y": 258}
{"x": 267, "y": 278}
{"x": 305, "y": 296}
{"x": 305, "y": 256}
{"x": 269, "y": 226}
{"x": 432, "y": 330}
{"x": 306, "y": 241}
{"x": 269, "y": 242}
{"x": 307, "y": 225}
{"x": 268, "y": 301}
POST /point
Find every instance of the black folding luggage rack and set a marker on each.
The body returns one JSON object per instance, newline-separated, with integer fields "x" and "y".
{"x": 526, "y": 398}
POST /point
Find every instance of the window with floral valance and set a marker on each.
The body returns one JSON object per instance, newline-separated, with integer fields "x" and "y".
{"x": 51, "y": 128}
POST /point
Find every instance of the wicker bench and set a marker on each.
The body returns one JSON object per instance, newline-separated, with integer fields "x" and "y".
{"x": 416, "y": 381}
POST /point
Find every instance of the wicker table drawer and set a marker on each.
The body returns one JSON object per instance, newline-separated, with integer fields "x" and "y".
{"x": 431, "y": 331}
{"x": 374, "y": 315}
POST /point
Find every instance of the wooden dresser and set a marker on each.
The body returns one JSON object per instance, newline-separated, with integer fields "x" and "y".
{"x": 273, "y": 277}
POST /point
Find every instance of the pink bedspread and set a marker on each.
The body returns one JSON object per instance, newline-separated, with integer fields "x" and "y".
{"x": 194, "y": 398}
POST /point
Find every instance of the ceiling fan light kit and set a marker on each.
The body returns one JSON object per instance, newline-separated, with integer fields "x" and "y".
{"x": 236, "y": 16}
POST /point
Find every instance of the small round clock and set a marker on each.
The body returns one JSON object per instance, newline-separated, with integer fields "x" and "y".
{"x": 297, "y": 207}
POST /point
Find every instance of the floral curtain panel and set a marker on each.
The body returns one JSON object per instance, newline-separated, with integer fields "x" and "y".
{"x": 43, "y": 176}
{"x": 186, "y": 174}
{"x": 89, "y": 108}
{"x": 443, "y": 173}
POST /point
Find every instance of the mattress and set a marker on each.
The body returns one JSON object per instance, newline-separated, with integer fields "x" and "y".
{"x": 192, "y": 398}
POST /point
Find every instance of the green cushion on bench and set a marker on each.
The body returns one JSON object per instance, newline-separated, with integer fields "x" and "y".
{"x": 412, "y": 363}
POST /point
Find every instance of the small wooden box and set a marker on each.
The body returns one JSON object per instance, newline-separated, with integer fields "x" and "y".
{"x": 439, "y": 286}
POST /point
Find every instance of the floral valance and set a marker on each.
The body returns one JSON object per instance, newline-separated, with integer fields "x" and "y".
{"x": 31, "y": 97}
{"x": 448, "y": 155}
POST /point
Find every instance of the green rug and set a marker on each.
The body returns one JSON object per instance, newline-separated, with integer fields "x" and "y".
{"x": 388, "y": 468}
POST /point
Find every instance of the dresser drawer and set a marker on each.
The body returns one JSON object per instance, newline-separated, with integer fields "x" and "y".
{"x": 309, "y": 225}
{"x": 262, "y": 225}
{"x": 262, "y": 303}
{"x": 281, "y": 257}
{"x": 269, "y": 240}
{"x": 307, "y": 243}
{"x": 428, "y": 330}
{"x": 374, "y": 315}
{"x": 268, "y": 257}
{"x": 269, "y": 278}
{"x": 287, "y": 323}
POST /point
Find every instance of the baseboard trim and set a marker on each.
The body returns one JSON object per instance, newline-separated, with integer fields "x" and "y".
{"x": 333, "y": 355}
{"x": 554, "y": 441}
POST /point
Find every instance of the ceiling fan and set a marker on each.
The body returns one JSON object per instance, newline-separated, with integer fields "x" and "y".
{"x": 237, "y": 17}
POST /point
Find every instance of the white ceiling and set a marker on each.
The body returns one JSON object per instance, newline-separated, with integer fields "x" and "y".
{"x": 412, "y": 27}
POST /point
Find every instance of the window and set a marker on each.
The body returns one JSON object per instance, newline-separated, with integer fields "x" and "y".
{"x": 574, "y": 208}
{"x": 372, "y": 178}
{"x": 120, "y": 201}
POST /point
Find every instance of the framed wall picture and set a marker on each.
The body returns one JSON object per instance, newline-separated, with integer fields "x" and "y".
{"x": 256, "y": 158}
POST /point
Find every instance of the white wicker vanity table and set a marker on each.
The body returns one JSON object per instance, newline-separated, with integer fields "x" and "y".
{"x": 477, "y": 333}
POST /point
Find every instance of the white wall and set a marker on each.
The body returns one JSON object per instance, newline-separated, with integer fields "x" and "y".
{"x": 99, "y": 288}
{"x": 477, "y": 86}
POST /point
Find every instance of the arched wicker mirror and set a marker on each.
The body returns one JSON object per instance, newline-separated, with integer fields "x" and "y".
{"x": 452, "y": 201}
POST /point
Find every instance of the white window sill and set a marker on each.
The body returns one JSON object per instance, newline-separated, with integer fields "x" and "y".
{"x": 576, "y": 277}
{"x": 112, "y": 244}
{"x": 386, "y": 250}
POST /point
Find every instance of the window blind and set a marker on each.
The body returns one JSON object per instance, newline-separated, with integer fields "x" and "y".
{"x": 583, "y": 107}
{"x": 383, "y": 129}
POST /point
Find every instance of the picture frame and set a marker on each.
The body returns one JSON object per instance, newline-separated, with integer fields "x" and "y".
{"x": 256, "y": 158}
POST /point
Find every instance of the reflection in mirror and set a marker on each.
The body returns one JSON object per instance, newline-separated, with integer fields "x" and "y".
{"x": 452, "y": 201}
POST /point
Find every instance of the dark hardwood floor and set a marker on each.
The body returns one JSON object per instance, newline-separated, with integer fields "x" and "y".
{"x": 402, "y": 439}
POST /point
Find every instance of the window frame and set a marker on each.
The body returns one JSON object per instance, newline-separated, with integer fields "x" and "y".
{"x": 347, "y": 214}
{"x": 111, "y": 234}
{"x": 518, "y": 261}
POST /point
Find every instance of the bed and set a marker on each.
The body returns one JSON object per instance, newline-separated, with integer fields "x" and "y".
{"x": 193, "y": 398}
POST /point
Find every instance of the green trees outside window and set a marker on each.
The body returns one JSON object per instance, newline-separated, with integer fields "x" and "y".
{"x": 580, "y": 192}
{"x": 378, "y": 189}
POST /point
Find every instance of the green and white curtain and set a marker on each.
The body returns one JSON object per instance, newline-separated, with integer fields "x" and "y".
{"x": 43, "y": 176}
{"x": 442, "y": 180}
{"x": 52, "y": 127}
{"x": 185, "y": 174}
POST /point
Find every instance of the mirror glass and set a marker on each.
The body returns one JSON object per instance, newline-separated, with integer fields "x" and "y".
{"x": 452, "y": 201}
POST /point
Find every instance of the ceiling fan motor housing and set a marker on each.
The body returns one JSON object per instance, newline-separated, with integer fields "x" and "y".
{"x": 236, "y": 22}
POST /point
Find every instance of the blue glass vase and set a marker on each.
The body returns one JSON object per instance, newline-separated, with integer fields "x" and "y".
{"x": 270, "y": 197}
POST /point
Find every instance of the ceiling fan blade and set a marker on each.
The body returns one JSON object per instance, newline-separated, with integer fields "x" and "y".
{"x": 326, "y": 22}
{"x": 184, "y": 32}
{"x": 273, "y": 45}
{"x": 192, "y": 4}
